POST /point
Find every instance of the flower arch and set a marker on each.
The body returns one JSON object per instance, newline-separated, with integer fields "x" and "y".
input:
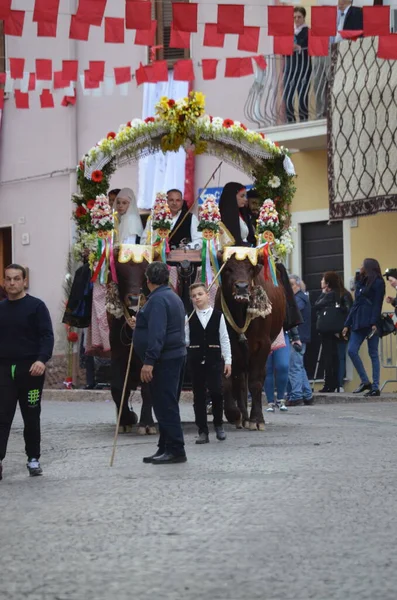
{"x": 183, "y": 123}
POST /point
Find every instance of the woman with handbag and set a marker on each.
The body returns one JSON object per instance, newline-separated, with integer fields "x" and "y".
{"x": 330, "y": 321}
{"x": 363, "y": 320}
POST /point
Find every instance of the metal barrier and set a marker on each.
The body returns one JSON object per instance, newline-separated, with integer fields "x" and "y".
{"x": 290, "y": 89}
{"x": 388, "y": 354}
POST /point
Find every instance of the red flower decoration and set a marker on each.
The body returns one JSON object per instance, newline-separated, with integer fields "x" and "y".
{"x": 149, "y": 120}
{"x": 73, "y": 337}
{"x": 227, "y": 123}
{"x": 276, "y": 144}
{"x": 243, "y": 126}
{"x": 81, "y": 165}
{"x": 90, "y": 204}
{"x": 171, "y": 102}
{"x": 111, "y": 135}
{"x": 262, "y": 135}
{"x": 129, "y": 124}
{"x": 211, "y": 119}
{"x": 97, "y": 176}
{"x": 80, "y": 212}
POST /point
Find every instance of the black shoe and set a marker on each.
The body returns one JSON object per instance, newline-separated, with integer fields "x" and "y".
{"x": 308, "y": 402}
{"x": 203, "y": 438}
{"x": 90, "y": 386}
{"x": 293, "y": 402}
{"x": 372, "y": 393}
{"x": 149, "y": 459}
{"x": 362, "y": 387}
{"x": 167, "y": 459}
{"x": 326, "y": 390}
{"x": 220, "y": 433}
{"x": 34, "y": 468}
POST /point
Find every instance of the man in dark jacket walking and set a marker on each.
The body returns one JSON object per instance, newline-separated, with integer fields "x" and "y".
{"x": 26, "y": 344}
{"x": 159, "y": 340}
{"x": 299, "y": 386}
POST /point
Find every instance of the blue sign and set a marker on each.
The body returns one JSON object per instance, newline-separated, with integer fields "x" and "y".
{"x": 214, "y": 191}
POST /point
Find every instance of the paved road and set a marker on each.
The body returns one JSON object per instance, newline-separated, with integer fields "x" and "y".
{"x": 304, "y": 510}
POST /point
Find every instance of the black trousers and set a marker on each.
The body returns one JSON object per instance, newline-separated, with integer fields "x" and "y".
{"x": 17, "y": 385}
{"x": 165, "y": 389}
{"x": 207, "y": 377}
{"x": 331, "y": 360}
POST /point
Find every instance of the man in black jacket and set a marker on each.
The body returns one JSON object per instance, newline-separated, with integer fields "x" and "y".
{"x": 26, "y": 344}
{"x": 159, "y": 340}
{"x": 349, "y": 18}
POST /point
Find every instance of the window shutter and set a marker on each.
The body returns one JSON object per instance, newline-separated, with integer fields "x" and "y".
{"x": 162, "y": 11}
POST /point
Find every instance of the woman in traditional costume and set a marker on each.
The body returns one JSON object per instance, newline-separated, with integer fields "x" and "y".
{"x": 129, "y": 227}
{"x": 234, "y": 213}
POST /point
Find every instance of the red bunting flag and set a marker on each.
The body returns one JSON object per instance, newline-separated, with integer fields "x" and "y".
{"x": 97, "y": 70}
{"x": 90, "y": 83}
{"x": 2, "y": 78}
{"x": 376, "y": 20}
{"x": 5, "y": 8}
{"x": 238, "y": 67}
{"x": 13, "y": 24}
{"x": 17, "y": 66}
{"x": 46, "y": 99}
{"x": 387, "y": 47}
{"x": 183, "y": 70}
{"x": 46, "y": 11}
{"x": 283, "y": 45}
{"x": 280, "y": 20}
{"x": 249, "y": 40}
{"x": 114, "y": 30}
{"x": 91, "y": 11}
{"x": 44, "y": 69}
{"x": 157, "y": 71}
{"x": 45, "y": 29}
{"x": 59, "y": 81}
{"x": 122, "y": 75}
{"x": 184, "y": 16}
{"x": 260, "y": 61}
{"x": 147, "y": 37}
{"x": 1, "y": 99}
{"x": 230, "y": 18}
{"x": 179, "y": 39}
{"x": 78, "y": 29}
{"x": 140, "y": 75}
{"x": 212, "y": 37}
{"x": 70, "y": 69}
{"x": 69, "y": 100}
{"x": 138, "y": 15}
{"x": 21, "y": 99}
{"x": 32, "y": 82}
{"x": 323, "y": 21}
{"x": 351, "y": 34}
{"x": 318, "y": 46}
{"x": 210, "y": 66}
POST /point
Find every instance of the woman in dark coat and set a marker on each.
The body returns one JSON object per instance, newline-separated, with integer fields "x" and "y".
{"x": 346, "y": 302}
{"x": 362, "y": 322}
{"x": 331, "y": 295}
{"x": 234, "y": 214}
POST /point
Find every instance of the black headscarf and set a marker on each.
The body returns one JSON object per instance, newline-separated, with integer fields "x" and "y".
{"x": 230, "y": 213}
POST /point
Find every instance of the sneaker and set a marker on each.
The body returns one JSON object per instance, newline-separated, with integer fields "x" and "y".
{"x": 270, "y": 408}
{"x": 372, "y": 393}
{"x": 283, "y": 406}
{"x": 34, "y": 468}
{"x": 220, "y": 433}
{"x": 341, "y": 390}
{"x": 203, "y": 438}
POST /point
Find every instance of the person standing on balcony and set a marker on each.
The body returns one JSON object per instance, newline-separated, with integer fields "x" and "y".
{"x": 298, "y": 70}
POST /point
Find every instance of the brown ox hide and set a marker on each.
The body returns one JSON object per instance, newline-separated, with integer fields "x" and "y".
{"x": 250, "y": 350}
{"x": 131, "y": 279}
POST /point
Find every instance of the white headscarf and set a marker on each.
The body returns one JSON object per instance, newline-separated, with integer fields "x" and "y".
{"x": 130, "y": 223}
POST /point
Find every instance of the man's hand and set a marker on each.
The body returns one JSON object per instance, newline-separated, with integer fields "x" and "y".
{"x": 227, "y": 370}
{"x": 131, "y": 322}
{"x": 147, "y": 373}
{"x": 389, "y": 299}
{"x": 345, "y": 331}
{"x": 37, "y": 368}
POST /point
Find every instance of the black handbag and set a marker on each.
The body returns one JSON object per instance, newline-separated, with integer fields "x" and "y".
{"x": 331, "y": 319}
{"x": 385, "y": 325}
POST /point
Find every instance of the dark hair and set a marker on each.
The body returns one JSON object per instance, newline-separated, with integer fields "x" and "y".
{"x": 175, "y": 190}
{"x": 253, "y": 193}
{"x": 116, "y": 192}
{"x": 157, "y": 273}
{"x": 230, "y": 212}
{"x": 343, "y": 290}
{"x": 17, "y": 268}
{"x": 371, "y": 270}
{"x": 333, "y": 281}
{"x": 300, "y": 10}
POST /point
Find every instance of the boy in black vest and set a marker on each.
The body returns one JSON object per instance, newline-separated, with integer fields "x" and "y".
{"x": 208, "y": 342}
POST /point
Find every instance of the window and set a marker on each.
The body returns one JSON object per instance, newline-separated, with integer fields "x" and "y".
{"x": 162, "y": 12}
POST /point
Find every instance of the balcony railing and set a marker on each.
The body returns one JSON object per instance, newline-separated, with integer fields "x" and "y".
{"x": 291, "y": 89}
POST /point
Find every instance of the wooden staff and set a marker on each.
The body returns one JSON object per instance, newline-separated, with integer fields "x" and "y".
{"x": 195, "y": 202}
{"x": 213, "y": 281}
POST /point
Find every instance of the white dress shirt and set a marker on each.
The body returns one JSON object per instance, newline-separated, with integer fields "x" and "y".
{"x": 204, "y": 316}
{"x": 197, "y": 238}
{"x": 244, "y": 231}
{"x": 340, "y": 23}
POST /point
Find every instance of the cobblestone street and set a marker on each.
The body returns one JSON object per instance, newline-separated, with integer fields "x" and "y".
{"x": 303, "y": 510}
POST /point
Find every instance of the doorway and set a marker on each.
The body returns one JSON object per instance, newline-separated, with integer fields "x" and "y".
{"x": 5, "y": 250}
{"x": 322, "y": 250}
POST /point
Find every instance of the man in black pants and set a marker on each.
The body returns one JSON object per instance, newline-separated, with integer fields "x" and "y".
{"x": 208, "y": 341}
{"x": 159, "y": 340}
{"x": 26, "y": 344}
